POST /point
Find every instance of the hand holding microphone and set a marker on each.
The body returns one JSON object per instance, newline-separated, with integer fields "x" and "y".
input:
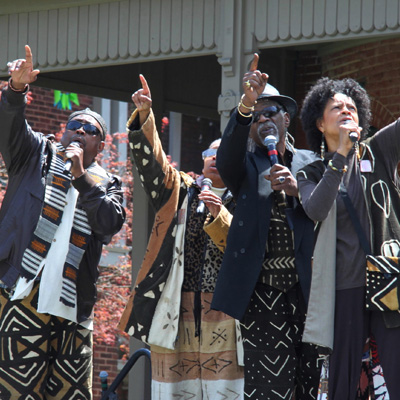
{"x": 353, "y": 134}
{"x": 280, "y": 176}
{"x": 212, "y": 201}
{"x": 69, "y": 155}
{"x": 205, "y": 185}
{"x": 349, "y": 134}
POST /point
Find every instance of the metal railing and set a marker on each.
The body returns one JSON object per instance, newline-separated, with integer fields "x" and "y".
{"x": 108, "y": 393}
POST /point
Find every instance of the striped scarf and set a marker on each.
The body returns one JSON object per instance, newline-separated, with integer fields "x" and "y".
{"x": 57, "y": 186}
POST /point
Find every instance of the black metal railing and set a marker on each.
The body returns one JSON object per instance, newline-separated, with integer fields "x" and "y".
{"x": 108, "y": 393}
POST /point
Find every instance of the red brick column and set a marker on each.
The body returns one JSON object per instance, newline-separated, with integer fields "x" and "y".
{"x": 105, "y": 358}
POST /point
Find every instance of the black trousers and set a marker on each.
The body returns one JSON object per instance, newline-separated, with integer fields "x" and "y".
{"x": 353, "y": 325}
{"x": 277, "y": 363}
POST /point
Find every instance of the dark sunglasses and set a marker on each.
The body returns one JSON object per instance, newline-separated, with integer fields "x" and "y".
{"x": 267, "y": 112}
{"x": 209, "y": 153}
{"x": 90, "y": 129}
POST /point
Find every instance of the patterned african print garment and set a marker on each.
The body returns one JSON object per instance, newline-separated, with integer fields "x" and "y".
{"x": 201, "y": 362}
{"x": 372, "y": 385}
{"x": 277, "y": 364}
{"x": 32, "y": 344}
{"x": 204, "y": 362}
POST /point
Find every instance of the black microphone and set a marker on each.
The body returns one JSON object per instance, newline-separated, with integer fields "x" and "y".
{"x": 103, "y": 377}
{"x": 205, "y": 185}
{"x": 353, "y": 135}
{"x": 270, "y": 144}
{"x": 68, "y": 163}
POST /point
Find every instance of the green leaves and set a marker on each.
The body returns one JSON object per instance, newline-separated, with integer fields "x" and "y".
{"x": 63, "y": 100}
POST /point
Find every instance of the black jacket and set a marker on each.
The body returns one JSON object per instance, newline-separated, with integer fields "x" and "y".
{"x": 27, "y": 155}
{"x": 242, "y": 172}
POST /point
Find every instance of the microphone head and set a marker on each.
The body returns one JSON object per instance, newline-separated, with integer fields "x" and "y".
{"x": 103, "y": 374}
{"x": 206, "y": 182}
{"x": 270, "y": 139}
{"x": 353, "y": 135}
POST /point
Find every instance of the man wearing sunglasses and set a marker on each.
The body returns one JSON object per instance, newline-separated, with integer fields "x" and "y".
{"x": 193, "y": 348}
{"x": 265, "y": 274}
{"x": 59, "y": 209}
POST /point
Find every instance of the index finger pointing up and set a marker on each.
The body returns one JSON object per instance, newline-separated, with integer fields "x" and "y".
{"x": 254, "y": 63}
{"x": 28, "y": 53}
{"x": 145, "y": 86}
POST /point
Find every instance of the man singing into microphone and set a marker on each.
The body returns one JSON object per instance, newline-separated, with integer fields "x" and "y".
{"x": 193, "y": 348}
{"x": 53, "y": 223}
{"x": 265, "y": 274}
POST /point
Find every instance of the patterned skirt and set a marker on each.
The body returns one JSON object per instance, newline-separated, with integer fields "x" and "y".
{"x": 201, "y": 366}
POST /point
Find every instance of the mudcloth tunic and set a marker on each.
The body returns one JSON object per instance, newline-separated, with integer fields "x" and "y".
{"x": 276, "y": 363}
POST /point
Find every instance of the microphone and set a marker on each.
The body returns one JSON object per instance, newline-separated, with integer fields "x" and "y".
{"x": 68, "y": 163}
{"x": 205, "y": 185}
{"x": 103, "y": 377}
{"x": 353, "y": 135}
{"x": 270, "y": 144}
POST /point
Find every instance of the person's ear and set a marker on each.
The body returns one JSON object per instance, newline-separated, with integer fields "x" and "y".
{"x": 320, "y": 125}
{"x": 287, "y": 119}
{"x": 100, "y": 147}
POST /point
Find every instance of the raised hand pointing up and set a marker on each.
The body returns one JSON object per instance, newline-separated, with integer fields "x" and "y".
{"x": 142, "y": 100}
{"x": 21, "y": 70}
{"x": 253, "y": 83}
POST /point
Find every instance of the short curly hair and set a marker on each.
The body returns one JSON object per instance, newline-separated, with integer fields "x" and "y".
{"x": 318, "y": 96}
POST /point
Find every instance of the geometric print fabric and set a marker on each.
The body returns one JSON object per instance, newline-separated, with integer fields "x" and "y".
{"x": 382, "y": 283}
{"x": 200, "y": 367}
{"x": 42, "y": 356}
{"x": 277, "y": 363}
{"x": 278, "y": 268}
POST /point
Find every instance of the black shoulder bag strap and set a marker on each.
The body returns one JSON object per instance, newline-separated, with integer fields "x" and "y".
{"x": 353, "y": 216}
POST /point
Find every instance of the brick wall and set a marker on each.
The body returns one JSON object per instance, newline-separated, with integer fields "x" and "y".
{"x": 308, "y": 70}
{"x": 44, "y": 117}
{"x": 375, "y": 66}
{"x": 105, "y": 358}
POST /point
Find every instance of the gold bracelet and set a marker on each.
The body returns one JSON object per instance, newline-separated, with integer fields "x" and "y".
{"x": 343, "y": 170}
{"x": 244, "y": 105}
{"x": 244, "y": 115}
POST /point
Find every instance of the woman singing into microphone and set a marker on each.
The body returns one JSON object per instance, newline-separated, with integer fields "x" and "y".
{"x": 352, "y": 194}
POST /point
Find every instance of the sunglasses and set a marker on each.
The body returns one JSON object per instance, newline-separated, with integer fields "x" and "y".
{"x": 90, "y": 129}
{"x": 267, "y": 112}
{"x": 209, "y": 153}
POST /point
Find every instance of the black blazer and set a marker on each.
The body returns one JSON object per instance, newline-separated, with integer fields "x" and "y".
{"x": 243, "y": 172}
